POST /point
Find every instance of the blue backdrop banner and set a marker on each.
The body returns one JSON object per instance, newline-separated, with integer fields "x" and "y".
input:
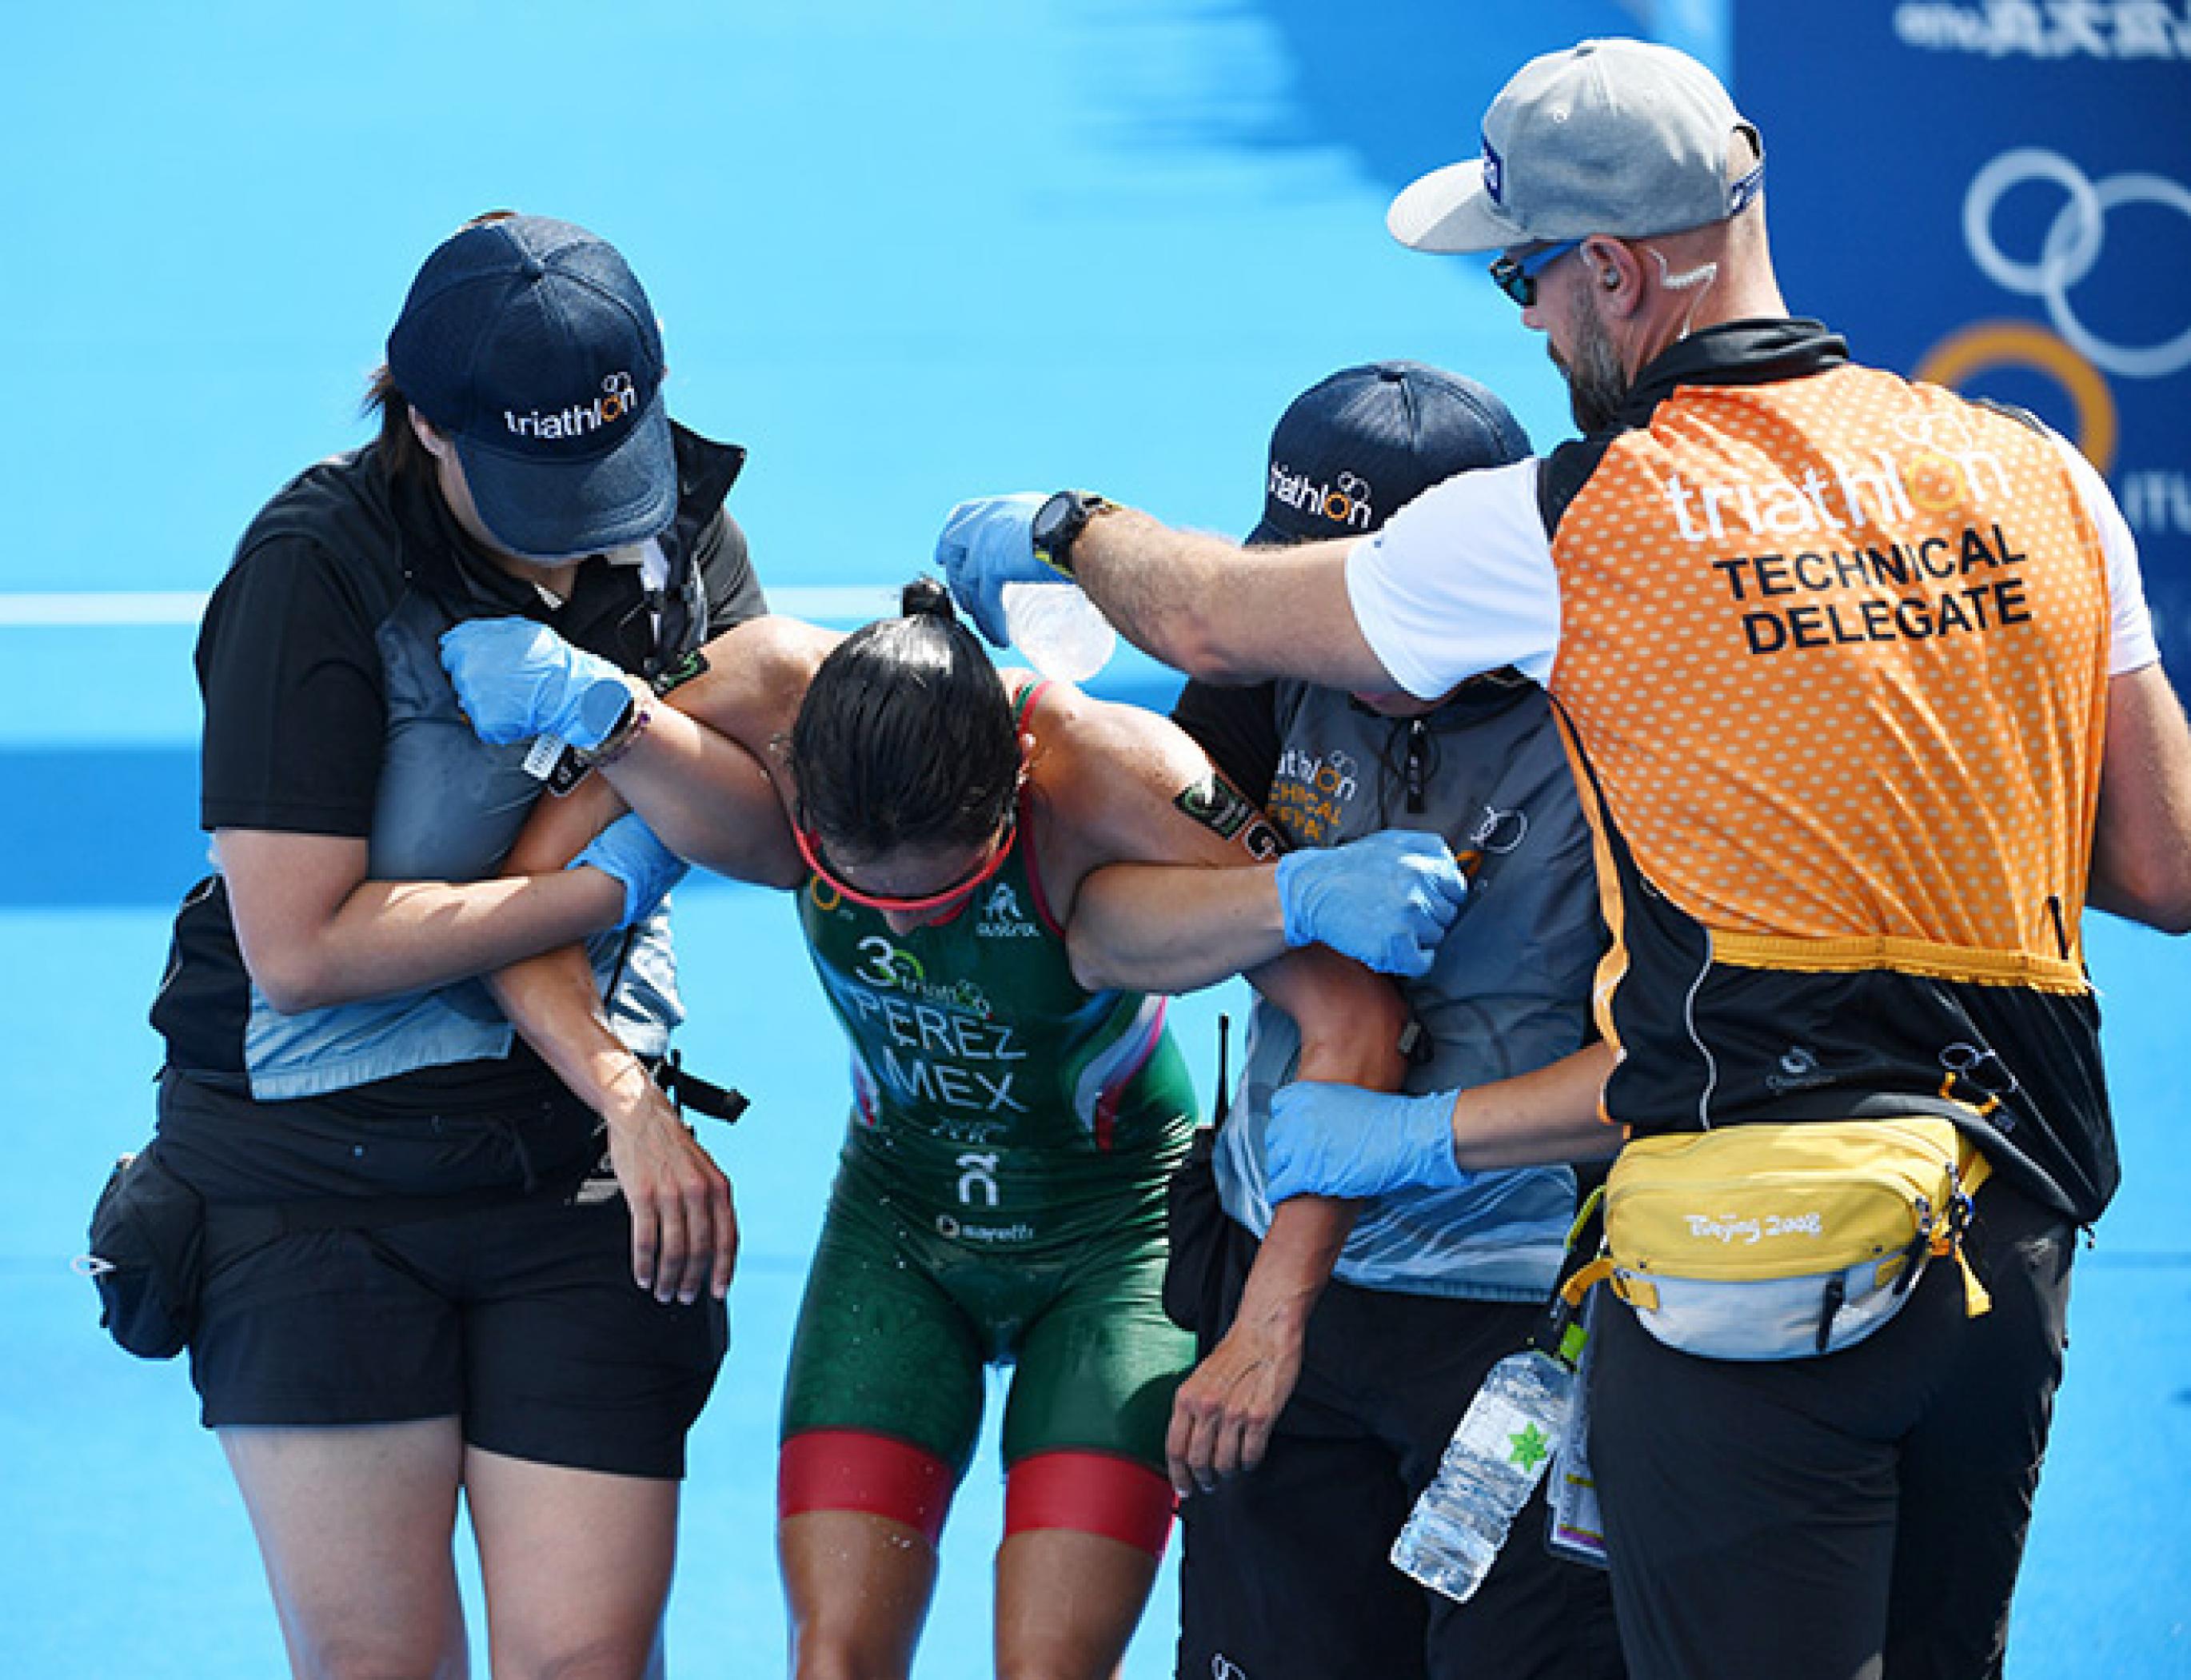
{"x": 1997, "y": 197}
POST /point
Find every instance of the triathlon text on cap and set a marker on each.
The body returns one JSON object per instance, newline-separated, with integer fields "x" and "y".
{"x": 619, "y": 397}
{"x": 1494, "y": 174}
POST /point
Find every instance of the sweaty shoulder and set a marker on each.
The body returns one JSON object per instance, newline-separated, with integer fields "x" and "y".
{"x": 757, "y": 674}
{"x": 779, "y": 645}
{"x": 1460, "y": 582}
{"x": 1112, "y": 773}
{"x": 1072, "y": 731}
{"x": 1083, "y": 731}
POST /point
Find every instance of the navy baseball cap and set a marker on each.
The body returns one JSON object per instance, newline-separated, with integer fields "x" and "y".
{"x": 1354, "y": 449}
{"x": 531, "y": 346}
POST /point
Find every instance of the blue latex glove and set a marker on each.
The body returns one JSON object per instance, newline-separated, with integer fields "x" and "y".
{"x": 987, "y": 544}
{"x": 1384, "y": 900}
{"x": 628, "y": 849}
{"x": 1327, "y": 1140}
{"x": 516, "y": 679}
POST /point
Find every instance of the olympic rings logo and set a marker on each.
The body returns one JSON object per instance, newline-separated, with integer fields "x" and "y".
{"x": 2072, "y": 246}
{"x": 2072, "y": 354}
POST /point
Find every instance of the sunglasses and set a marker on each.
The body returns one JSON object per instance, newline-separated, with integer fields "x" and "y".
{"x": 809, "y": 850}
{"x": 1515, "y": 271}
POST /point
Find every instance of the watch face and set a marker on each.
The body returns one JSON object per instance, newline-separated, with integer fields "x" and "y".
{"x": 1053, "y": 518}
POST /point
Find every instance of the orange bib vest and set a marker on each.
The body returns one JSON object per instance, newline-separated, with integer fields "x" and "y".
{"x": 1832, "y": 668}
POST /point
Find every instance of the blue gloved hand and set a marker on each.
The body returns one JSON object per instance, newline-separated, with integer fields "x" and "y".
{"x": 516, "y": 679}
{"x": 629, "y": 851}
{"x": 987, "y": 544}
{"x": 1327, "y": 1140}
{"x": 1384, "y": 900}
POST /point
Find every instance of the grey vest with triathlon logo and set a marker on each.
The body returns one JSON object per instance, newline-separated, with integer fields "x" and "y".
{"x": 1508, "y": 994}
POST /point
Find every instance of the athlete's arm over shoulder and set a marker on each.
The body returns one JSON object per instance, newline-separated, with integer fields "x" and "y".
{"x": 705, "y": 773}
{"x": 1120, "y": 784}
{"x": 1176, "y": 927}
{"x": 1126, "y": 787}
{"x": 1158, "y": 927}
{"x": 1115, "y": 776}
{"x": 757, "y": 674}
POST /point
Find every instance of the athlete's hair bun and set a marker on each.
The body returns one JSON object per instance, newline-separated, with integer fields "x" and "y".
{"x": 925, "y": 598}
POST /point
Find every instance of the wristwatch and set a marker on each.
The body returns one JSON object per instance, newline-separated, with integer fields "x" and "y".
{"x": 1058, "y": 523}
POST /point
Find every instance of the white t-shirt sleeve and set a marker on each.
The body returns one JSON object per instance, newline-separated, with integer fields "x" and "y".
{"x": 2133, "y": 646}
{"x": 1460, "y": 582}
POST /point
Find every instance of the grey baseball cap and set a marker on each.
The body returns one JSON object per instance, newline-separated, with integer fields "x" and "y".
{"x": 1626, "y": 137}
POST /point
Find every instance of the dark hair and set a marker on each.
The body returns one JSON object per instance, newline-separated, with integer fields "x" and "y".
{"x": 906, "y": 736}
{"x": 402, "y": 455}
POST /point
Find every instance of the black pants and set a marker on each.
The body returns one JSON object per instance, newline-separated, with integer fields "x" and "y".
{"x": 1857, "y": 1516}
{"x": 1286, "y": 1571}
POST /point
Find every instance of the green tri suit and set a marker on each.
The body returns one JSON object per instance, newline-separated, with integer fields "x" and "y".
{"x": 1001, "y": 1195}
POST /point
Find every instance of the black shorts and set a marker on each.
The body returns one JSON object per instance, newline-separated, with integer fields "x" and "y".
{"x": 1287, "y": 1569}
{"x": 523, "y": 1321}
{"x": 520, "y": 1318}
{"x": 1860, "y": 1513}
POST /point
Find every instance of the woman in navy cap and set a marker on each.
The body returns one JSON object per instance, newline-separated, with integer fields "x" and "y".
{"x": 426, "y": 1278}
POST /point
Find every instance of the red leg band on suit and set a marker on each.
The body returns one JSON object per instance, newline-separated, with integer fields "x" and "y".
{"x": 850, "y": 1470}
{"x": 1092, "y": 1494}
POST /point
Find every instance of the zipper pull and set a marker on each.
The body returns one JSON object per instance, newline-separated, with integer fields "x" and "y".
{"x": 1417, "y": 752}
{"x": 1914, "y": 1255}
{"x": 1830, "y": 1308}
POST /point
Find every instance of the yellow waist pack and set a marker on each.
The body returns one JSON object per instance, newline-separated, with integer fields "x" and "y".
{"x": 1775, "y": 1241}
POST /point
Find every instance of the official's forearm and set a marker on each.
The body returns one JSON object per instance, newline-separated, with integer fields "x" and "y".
{"x": 388, "y": 937}
{"x": 1207, "y": 606}
{"x": 1551, "y": 1114}
{"x": 1162, "y": 588}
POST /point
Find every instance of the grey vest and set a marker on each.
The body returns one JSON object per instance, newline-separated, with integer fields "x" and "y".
{"x": 1509, "y": 992}
{"x": 447, "y": 809}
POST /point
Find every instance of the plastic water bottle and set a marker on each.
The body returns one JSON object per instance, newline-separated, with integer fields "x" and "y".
{"x": 1059, "y": 630}
{"x": 1496, "y": 1457}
